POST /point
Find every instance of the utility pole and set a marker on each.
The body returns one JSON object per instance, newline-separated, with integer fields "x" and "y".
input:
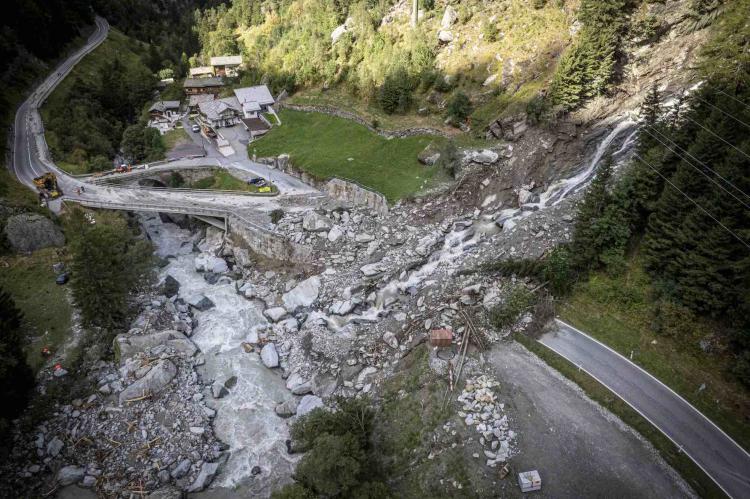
{"x": 414, "y": 13}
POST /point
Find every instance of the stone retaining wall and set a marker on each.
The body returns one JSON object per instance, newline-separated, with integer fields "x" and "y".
{"x": 267, "y": 243}
{"x": 340, "y": 113}
{"x": 337, "y": 188}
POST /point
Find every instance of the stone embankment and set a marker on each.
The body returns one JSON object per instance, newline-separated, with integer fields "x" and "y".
{"x": 344, "y": 190}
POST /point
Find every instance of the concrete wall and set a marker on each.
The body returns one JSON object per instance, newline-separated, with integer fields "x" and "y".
{"x": 337, "y": 188}
{"x": 267, "y": 243}
{"x": 350, "y": 192}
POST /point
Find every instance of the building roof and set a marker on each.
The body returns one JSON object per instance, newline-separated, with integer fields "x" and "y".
{"x": 252, "y": 98}
{"x": 226, "y": 60}
{"x": 196, "y": 99}
{"x": 213, "y": 109}
{"x": 162, "y": 105}
{"x": 214, "y": 81}
{"x": 256, "y": 124}
{"x": 201, "y": 70}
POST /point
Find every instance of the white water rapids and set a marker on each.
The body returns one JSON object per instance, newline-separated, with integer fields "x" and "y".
{"x": 245, "y": 419}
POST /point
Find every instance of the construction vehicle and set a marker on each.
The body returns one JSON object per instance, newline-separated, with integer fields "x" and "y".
{"x": 47, "y": 186}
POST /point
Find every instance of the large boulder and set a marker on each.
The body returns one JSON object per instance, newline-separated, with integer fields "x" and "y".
{"x": 269, "y": 356}
{"x": 127, "y": 346}
{"x": 445, "y": 36}
{"x": 485, "y": 157}
{"x": 429, "y": 155}
{"x": 29, "y": 232}
{"x": 171, "y": 286}
{"x": 205, "y": 477}
{"x": 449, "y": 17}
{"x": 155, "y": 380}
{"x": 303, "y": 295}
{"x": 200, "y": 302}
{"x": 275, "y": 314}
{"x": 209, "y": 263}
{"x": 68, "y": 475}
{"x": 287, "y": 408}
{"x": 309, "y": 403}
{"x": 315, "y": 222}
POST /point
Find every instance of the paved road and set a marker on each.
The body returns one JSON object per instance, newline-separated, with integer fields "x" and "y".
{"x": 716, "y": 453}
{"x": 31, "y": 158}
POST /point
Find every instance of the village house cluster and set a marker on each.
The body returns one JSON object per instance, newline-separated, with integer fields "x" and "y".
{"x": 249, "y": 106}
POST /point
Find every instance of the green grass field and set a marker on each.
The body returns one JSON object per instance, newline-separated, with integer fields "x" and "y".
{"x": 31, "y": 282}
{"x": 326, "y": 146}
{"x": 224, "y": 181}
{"x": 616, "y": 311}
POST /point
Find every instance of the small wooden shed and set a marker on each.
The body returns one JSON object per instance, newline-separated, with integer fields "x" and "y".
{"x": 441, "y": 337}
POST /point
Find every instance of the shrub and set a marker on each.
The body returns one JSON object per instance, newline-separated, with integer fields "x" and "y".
{"x": 16, "y": 377}
{"x": 109, "y": 265}
{"x": 519, "y": 300}
{"x": 337, "y": 463}
{"x": 557, "y": 270}
{"x": 537, "y": 109}
{"x": 176, "y": 180}
{"x": 741, "y": 367}
{"x": 276, "y": 215}
{"x": 395, "y": 94}
{"x": 99, "y": 163}
{"x": 459, "y": 107}
{"x": 332, "y": 466}
{"x": 490, "y": 31}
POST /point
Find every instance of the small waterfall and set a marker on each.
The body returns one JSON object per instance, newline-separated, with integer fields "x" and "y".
{"x": 560, "y": 189}
{"x": 459, "y": 240}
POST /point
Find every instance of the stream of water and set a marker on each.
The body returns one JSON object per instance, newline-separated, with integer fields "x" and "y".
{"x": 245, "y": 419}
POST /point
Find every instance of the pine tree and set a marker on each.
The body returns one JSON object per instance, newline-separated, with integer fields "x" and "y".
{"x": 586, "y": 246}
{"x": 16, "y": 377}
{"x": 109, "y": 264}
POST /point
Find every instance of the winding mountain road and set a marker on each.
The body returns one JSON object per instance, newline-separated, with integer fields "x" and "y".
{"x": 706, "y": 444}
{"x": 31, "y": 158}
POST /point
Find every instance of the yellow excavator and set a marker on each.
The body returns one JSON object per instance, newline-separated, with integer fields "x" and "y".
{"x": 47, "y": 186}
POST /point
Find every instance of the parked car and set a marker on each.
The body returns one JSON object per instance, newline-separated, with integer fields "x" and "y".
{"x": 260, "y": 182}
{"x": 62, "y": 278}
{"x": 196, "y": 128}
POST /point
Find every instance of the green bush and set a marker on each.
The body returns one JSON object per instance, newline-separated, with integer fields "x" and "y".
{"x": 338, "y": 459}
{"x": 459, "y": 107}
{"x": 276, "y": 215}
{"x": 557, "y": 270}
{"x": 176, "y": 180}
{"x": 490, "y": 31}
{"x": 332, "y": 467}
{"x": 519, "y": 300}
{"x": 109, "y": 264}
{"x": 395, "y": 94}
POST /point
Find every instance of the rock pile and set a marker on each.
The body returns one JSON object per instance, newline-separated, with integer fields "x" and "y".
{"x": 482, "y": 411}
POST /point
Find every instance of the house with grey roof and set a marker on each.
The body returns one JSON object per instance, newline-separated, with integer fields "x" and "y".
{"x": 254, "y": 100}
{"x": 226, "y": 65}
{"x": 211, "y": 85}
{"x": 202, "y": 72}
{"x": 220, "y": 112}
{"x": 164, "y": 109}
{"x": 164, "y": 114}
